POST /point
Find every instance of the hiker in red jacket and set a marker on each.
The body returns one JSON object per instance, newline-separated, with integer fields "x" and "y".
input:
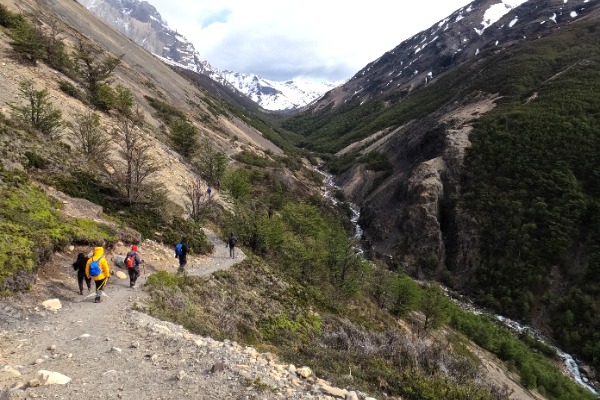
{"x": 132, "y": 262}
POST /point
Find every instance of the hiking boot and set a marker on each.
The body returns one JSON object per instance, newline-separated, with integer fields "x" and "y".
{"x": 81, "y": 292}
{"x": 97, "y": 299}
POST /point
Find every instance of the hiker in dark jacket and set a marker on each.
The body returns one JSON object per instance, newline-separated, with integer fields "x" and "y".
{"x": 231, "y": 242}
{"x": 79, "y": 266}
{"x": 182, "y": 255}
{"x": 134, "y": 272}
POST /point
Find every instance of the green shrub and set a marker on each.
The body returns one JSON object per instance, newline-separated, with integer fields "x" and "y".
{"x": 9, "y": 19}
{"x": 103, "y": 97}
{"x": 38, "y": 112}
{"x": 70, "y": 89}
{"x": 165, "y": 111}
{"x": 34, "y": 160}
{"x": 251, "y": 158}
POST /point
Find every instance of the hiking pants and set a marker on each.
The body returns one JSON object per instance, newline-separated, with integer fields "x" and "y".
{"x": 232, "y": 251}
{"x": 134, "y": 273}
{"x": 80, "y": 279}
{"x": 100, "y": 283}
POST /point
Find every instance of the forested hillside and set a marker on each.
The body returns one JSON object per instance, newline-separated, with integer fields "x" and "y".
{"x": 140, "y": 145}
{"x": 517, "y": 219}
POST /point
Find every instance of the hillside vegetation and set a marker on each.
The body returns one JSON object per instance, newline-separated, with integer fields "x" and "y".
{"x": 529, "y": 183}
{"x": 304, "y": 292}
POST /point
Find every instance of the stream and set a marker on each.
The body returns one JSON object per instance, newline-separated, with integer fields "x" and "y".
{"x": 569, "y": 362}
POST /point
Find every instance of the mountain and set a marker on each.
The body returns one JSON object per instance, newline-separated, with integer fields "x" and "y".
{"x": 482, "y": 26}
{"x": 475, "y": 163}
{"x": 142, "y": 23}
{"x": 161, "y": 135}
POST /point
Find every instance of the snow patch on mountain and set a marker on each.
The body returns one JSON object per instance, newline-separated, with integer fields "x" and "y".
{"x": 497, "y": 11}
{"x": 141, "y": 22}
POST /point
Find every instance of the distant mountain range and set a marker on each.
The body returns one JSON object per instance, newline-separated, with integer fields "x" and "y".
{"x": 142, "y": 23}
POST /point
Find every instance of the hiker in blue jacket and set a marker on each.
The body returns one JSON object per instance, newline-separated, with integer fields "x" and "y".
{"x": 181, "y": 251}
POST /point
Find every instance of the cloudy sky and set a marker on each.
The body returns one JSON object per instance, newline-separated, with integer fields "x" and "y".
{"x": 307, "y": 39}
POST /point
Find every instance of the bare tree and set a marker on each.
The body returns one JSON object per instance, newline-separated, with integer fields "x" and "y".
{"x": 88, "y": 135}
{"x": 130, "y": 174}
{"x": 198, "y": 199}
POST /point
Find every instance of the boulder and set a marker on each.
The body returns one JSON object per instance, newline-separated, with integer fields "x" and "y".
{"x": 119, "y": 261}
{"x": 52, "y": 304}
{"x": 121, "y": 275}
{"x": 52, "y": 378}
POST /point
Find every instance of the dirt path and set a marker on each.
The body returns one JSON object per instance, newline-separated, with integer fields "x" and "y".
{"x": 110, "y": 351}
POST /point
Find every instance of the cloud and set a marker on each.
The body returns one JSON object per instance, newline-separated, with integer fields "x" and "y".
{"x": 318, "y": 39}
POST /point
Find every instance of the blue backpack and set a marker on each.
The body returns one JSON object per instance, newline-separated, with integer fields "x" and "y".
{"x": 95, "y": 267}
{"x": 178, "y": 249}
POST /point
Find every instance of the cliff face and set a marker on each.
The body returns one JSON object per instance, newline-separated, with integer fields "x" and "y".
{"x": 411, "y": 218}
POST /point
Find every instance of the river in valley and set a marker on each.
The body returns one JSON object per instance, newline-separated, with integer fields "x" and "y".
{"x": 570, "y": 363}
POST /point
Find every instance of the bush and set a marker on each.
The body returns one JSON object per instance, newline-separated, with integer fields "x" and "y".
{"x": 9, "y": 19}
{"x": 38, "y": 112}
{"x": 250, "y": 158}
{"x": 103, "y": 98}
{"x": 70, "y": 89}
{"x": 34, "y": 160}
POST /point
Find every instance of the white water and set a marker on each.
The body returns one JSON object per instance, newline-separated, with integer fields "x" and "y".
{"x": 515, "y": 326}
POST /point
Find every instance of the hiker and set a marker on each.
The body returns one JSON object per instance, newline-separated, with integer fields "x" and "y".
{"x": 132, "y": 262}
{"x": 97, "y": 269}
{"x": 209, "y": 191}
{"x": 181, "y": 250}
{"x": 79, "y": 266}
{"x": 231, "y": 243}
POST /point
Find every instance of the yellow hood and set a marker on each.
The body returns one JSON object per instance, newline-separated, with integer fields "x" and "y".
{"x": 98, "y": 252}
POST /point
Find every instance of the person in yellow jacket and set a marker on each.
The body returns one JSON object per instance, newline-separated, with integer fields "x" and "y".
{"x": 97, "y": 269}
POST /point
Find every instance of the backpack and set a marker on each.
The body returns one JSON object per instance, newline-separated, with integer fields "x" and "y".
{"x": 95, "y": 267}
{"x": 130, "y": 261}
{"x": 178, "y": 249}
{"x": 232, "y": 241}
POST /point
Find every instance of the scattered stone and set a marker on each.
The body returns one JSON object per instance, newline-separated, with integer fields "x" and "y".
{"x": 84, "y": 336}
{"x": 333, "y": 391}
{"x": 135, "y": 345}
{"x": 116, "y": 350}
{"x": 34, "y": 383}
{"x": 304, "y": 372}
{"x": 70, "y": 355}
{"x": 119, "y": 261}
{"x": 52, "y": 378}
{"x": 52, "y": 347}
{"x": 52, "y": 305}
{"x": 181, "y": 375}
{"x": 351, "y": 396}
{"x": 218, "y": 367}
{"x": 39, "y": 361}
{"x": 71, "y": 248}
{"x": 121, "y": 275}
{"x": 154, "y": 357}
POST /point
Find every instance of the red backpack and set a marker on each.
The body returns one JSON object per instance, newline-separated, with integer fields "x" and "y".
{"x": 130, "y": 261}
